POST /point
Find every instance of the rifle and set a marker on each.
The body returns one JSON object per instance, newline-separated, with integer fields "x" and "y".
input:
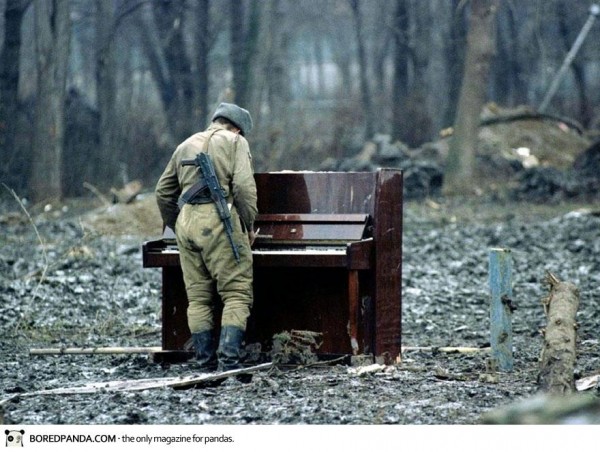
{"x": 207, "y": 170}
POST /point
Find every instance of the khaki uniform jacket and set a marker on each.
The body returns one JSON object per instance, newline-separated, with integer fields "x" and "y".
{"x": 230, "y": 154}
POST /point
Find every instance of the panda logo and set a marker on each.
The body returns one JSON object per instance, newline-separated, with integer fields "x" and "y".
{"x": 14, "y": 438}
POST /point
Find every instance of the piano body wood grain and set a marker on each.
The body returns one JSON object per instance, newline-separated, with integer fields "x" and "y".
{"x": 328, "y": 258}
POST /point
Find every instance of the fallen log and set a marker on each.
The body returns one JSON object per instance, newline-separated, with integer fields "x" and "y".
{"x": 531, "y": 115}
{"x": 557, "y": 364}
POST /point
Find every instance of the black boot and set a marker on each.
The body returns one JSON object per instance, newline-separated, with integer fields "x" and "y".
{"x": 229, "y": 352}
{"x": 230, "y": 345}
{"x": 204, "y": 345}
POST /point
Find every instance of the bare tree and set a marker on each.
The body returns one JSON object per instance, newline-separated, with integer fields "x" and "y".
{"x": 52, "y": 42}
{"x": 401, "y": 68}
{"x": 314, "y": 73}
{"x": 204, "y": 43}
{"x": 460, "y": 163}
{"x": 273, "y": 90}
{"x": 165, "y": 48}
{"x": 421, "y": 46}
{"x": 362, "y": 69}
{"x": 9, "y": 79}
{"x": 508, "y": 65}
{"x": 244, "y": 34}
{"x": 568, "y": 37}
{"x": 106, "y": 89}
{"x": 454, "y": 56}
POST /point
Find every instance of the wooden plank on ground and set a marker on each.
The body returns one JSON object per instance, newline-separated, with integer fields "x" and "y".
{"x": 145, "y": 383}
{"x": 93, "y": 350}
{"x": 447, "y": 349}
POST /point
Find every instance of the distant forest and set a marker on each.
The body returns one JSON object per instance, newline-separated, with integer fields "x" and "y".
{"x": 100, "y": 92}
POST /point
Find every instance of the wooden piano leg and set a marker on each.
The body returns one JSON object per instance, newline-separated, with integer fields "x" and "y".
{"x": 353, "y": 296}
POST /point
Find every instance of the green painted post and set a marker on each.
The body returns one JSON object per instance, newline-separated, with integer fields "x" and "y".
{"x": 500, "y": 275}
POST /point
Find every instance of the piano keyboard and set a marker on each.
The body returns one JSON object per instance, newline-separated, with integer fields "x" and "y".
{"x": 294, "y": 251}
{"x": 297, "y": 251}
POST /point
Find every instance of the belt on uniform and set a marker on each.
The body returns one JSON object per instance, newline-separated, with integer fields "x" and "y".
{"x": 197, "y": 194}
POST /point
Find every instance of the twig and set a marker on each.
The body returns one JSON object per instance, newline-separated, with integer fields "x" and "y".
{"x": 97, "y": 192}
{"x": 552, "y": 282}
{"x": 39, "y": 237}
{"x": 551, "y": 279}
{"x": 322, "y": 363}
{"x": 313, "y": 364}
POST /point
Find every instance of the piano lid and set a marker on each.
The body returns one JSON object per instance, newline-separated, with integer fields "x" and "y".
{"x": 306, "y": 229}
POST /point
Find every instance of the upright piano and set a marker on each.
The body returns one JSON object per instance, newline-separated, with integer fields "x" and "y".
{"x": 327, "y": 259}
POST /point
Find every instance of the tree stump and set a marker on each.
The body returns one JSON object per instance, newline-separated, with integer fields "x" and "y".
{"x": 557, "y": 364}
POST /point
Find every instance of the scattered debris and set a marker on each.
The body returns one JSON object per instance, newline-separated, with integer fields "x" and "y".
{"x": 520, "y": 150}
{"x": 585, "y": 383}
{"x": 370, "y": 369}
{"x": 296, "y": 347}
{"x": 128, "y": 193}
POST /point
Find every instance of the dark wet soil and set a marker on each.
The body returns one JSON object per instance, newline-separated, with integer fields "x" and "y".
{"x": 63, "y": 284}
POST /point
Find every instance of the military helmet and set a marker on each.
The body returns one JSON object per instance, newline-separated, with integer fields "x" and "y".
{"x": 239, "y": 116}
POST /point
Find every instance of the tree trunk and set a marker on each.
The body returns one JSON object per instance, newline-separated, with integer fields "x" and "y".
{"x": 400, "y": 81}
{"x": 460, "y": 164}
{"x": 9, "y": 82}
{"x": 507, "y": 70}
{"x": 165, "y": 48}
{"x": 455, "y": 56}
{"x": 278, "y": 96}
{"x": 9, "y": 90}
{"x": 365, "y": 90}
{"x": 52, "y": 42}
{"x": 382, "y": 44}
{"x": 170, "y": 17}
{"x": 585, "y": 110}
{"x": 106, "y": 89}
{"x": 243, "y": 46}
{"x": 557, "y": 363}
{"x": 419, "y": 116}
{"x": 203, "y": 43}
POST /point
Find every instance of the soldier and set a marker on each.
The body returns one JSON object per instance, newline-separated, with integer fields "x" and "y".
{"x": 207, "y": 257}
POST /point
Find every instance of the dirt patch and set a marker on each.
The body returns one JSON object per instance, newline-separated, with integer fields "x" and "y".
{"x": 104, "y": 298}
{"x": 139, "y": 217}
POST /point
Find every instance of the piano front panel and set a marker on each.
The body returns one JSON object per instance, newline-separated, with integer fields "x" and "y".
{"x": 309, "y": 299}
{"x": 175, "y": 330}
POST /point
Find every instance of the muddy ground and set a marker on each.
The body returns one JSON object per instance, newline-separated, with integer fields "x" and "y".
{"x": 71, "y": 278}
